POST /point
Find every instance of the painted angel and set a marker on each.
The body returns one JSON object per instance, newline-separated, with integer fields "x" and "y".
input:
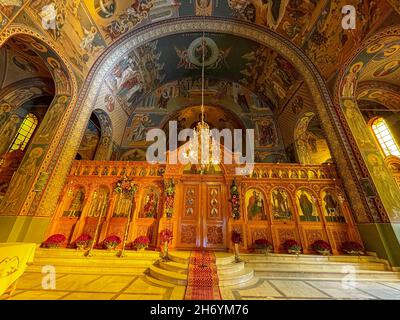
{"x": 184, "y": 59}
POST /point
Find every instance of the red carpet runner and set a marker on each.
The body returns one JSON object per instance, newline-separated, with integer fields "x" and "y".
{"x": 202, "y": 277}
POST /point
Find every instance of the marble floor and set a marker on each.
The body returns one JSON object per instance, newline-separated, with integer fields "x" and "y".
{"x": 141, "y": 287}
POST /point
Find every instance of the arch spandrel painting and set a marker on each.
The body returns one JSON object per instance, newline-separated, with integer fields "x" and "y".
{"x": 331, "y": 206}
{"x": 306, "y": 206}
{"x": 255, "y": 205}
{"x": 281, "y": 205}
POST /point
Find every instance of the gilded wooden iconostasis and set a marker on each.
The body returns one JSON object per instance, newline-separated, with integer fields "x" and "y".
{"x": 277, "y": 202}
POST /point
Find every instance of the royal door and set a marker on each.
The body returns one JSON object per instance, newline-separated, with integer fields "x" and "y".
{"x": 203, "y": 215}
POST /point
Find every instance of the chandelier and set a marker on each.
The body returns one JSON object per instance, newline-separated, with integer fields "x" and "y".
{"x": 203, "y": 150}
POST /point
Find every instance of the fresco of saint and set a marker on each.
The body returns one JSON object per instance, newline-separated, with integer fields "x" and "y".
{"x": 306, "y": 207}
{"x": 280, "y": 205}
{"x": 255, "y": 205}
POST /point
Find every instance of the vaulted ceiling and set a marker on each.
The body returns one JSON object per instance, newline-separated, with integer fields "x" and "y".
{"x": 85, "y": 28}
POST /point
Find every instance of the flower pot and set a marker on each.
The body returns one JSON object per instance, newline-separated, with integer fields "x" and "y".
{"x": 142, "y": 249}
{"x": 80, "y": 247}
{"x": 354, "y": 253}
{"x": 291, "y": 251}
{"x": 324, "y": 252}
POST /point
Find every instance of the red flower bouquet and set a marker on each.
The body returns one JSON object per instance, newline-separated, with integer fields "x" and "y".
{"x": 263, "y": 244}
{"x": 292, "y": 246}
{"x": 55, "y": 241}
{"x": 236, "y": 237}
{"x": 83, "y": 241}
{"x": 141, "y": 242}
{"x": 111, "y": 242}
{"x": 353, "y": 248}
{"x": 235, "y": 201}
{"x": 322, "y": 247}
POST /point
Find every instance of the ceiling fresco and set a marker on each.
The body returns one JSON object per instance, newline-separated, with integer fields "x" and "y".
{"x": 227, "y": 58}
{"x": 251, "y": 80}
{"x": 21, "y": 62}
{"x": 84, "y": 28}
{"x": 379, "y": 95}
{"x": 8, "y": 10}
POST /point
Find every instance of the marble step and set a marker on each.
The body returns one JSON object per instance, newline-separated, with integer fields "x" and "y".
{"x": 363, "y": 275}
{"x": 168, "y": 276}
{"x": 316, "y": 266}
{"x": 236, "y": 278}
{"x": 222, "y": 258}
{"x": 72, "y": 253}
{"x": 112, "y": 261}
{"x": 94, "y": 269}
{"x": 230, "y": 268}
{"x": 179, "y": 256}
{"x": 174, "y": 266}
{"x": 277, "y": 257}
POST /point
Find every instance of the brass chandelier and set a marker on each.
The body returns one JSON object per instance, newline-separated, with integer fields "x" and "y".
{"x": 202, "y": 149}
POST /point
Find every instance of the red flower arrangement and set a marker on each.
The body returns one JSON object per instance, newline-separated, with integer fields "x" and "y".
{"x": 125, "y": 186}
{"x": 166, "y": 236}
{"x": 292, "y": 246}
{"x": 236, "y": 237}
{"x": 83, "y": 241}
{"x": 141, "y": 242}
{"x": 55, "y": 241}
{"x": 353, "y": 248}
{"x": 263, "y": 244}
{"x": 321, "y": 247}
{"x": 169, "y": 197}
{"x": 111, "y": 242}
{"x": 235, "y": 201}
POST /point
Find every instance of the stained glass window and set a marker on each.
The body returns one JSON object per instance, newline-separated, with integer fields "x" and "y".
{"x": 385, "y": 138}
{"x": 25, "y": 132}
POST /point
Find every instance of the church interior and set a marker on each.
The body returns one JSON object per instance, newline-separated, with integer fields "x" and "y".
{"x": 84, "y": 214}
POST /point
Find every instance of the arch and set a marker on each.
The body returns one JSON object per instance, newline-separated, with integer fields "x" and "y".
{"x": 41, "y": 157}
{"x": 336, "y": 135}
{"x": 27, "y": 89}
{"x": 380, "y": 47}
{"x": 379, "y": 92}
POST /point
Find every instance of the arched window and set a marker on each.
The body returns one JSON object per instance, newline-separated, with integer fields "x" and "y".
{"x": 25, "y": 132}
{"x": 385, "y": 138}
